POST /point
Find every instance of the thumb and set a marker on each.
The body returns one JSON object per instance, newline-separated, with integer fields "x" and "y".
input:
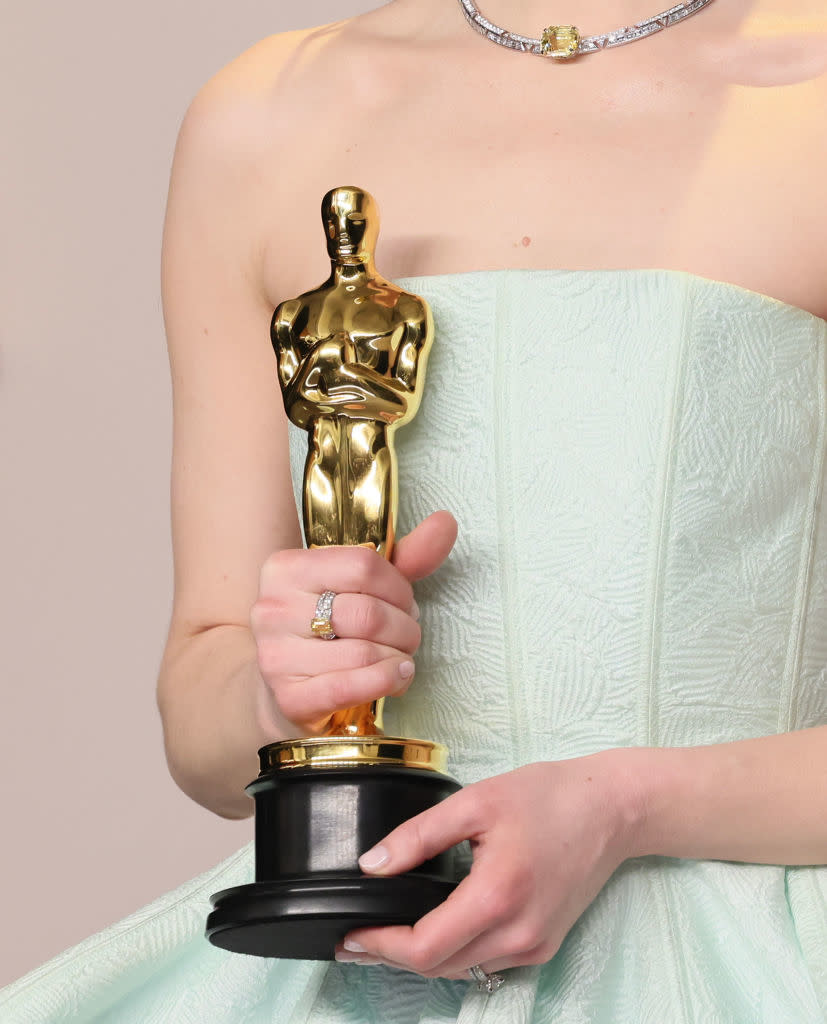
{"x": 426, "y": 547}
{"x": 420, "y": 838}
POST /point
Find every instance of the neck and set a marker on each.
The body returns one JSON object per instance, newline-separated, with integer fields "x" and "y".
{"x": 595, "y": 17}
{"x": 530, "y": 17}
{"x": 355, "y": 268}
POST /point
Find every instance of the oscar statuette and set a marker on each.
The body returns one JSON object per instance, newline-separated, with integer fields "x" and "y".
{"x": 351, "y": 364}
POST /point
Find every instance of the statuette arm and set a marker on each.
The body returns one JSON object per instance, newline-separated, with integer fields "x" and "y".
{"x": 284, "y": 342}
{"x": 412, "y": 350}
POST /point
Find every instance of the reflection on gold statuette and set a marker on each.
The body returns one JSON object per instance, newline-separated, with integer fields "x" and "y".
{"x": 351, "y": 362}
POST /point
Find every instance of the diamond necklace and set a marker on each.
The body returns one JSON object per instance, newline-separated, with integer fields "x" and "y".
{"x": 564, "y": 41}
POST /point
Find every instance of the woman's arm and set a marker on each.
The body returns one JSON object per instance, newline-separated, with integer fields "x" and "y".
{"x": 547, "y": 837}
{"x": 761, "y": 800}
{"x": 232, "y": 499}
{"x": 241, "y": 666}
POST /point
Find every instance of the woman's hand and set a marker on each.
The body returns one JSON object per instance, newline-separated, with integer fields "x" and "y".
{"x": 545, "y": 839}
{"x": 374, "y": 616}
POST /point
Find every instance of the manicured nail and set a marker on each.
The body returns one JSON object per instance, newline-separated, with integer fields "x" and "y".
{"x": 352, "y": 946}
{"x": 370, "y": 861}
{"x": 406, "y": 669}
{"x": 415, "y": 611}
{"x": 354, "y": 958}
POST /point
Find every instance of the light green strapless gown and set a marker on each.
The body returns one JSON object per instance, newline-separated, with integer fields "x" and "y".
{"x": 636, "y": 461}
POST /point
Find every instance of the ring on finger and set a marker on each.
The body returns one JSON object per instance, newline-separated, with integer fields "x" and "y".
{"x": 320, "y": 623}
{"x": 485, "y": 982}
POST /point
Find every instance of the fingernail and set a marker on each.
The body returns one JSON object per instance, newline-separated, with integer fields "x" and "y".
{"x": 370, "y": 861}
{"x": 415, "y": 611}
{"x": 354, "y": 958}
{"x": 406, "y": 669}
{"x": 353, "y": 946}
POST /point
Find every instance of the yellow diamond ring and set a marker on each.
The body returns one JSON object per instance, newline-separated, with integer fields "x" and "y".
{"x": 320, "y": 623}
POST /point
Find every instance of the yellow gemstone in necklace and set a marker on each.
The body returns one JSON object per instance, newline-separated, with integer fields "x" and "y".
{"x": 560, "y": 42}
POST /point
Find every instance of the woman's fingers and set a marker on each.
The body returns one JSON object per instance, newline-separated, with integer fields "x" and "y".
{"x": 447, "y": 823}
{"x": 312, "y": 700}
{"x": 353, "y": 570}
{"x": 433, "y": 941}
{"x": 488, "y": 919}
{"x": 511, "y": 941}
{"x": 426, "y": 547}
{"x": 361, "y": 570}
{"x": 487, "y": 952}
{"x": 531, "y": 879}
{"x": 470, "y": 910}
{"x": 373, "y": 616}
{"x": 480, "y": 923}
{"x": 286, "y": 659}
{"x": 311, "y": 678}
{"x": 352, "y": 617}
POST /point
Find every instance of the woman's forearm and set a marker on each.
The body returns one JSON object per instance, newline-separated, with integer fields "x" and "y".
{"x": 759, "y": 800}
{"x": 216, "y": 714}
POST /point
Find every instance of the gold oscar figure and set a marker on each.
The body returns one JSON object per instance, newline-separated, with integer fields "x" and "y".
{"x": 351, "y": 363}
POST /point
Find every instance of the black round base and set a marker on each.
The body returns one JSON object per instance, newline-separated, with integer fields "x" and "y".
{"x": 304, "y": 919}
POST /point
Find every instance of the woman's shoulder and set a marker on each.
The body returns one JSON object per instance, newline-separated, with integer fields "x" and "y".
{"x": 288, "y": 73}
{"x": 274, "y": 114}
{"x": 271, "y": 124}
{"x": 252, "y": 87}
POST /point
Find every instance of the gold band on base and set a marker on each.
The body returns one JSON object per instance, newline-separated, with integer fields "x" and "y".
{"x": 349, "y": 751}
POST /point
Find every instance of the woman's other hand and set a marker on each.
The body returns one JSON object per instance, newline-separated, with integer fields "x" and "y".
{"x": 545, "y": 839}
{"x": 374, "y": 617}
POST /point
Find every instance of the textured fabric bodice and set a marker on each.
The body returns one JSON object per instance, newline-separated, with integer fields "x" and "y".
{"x": 636, "y": 463}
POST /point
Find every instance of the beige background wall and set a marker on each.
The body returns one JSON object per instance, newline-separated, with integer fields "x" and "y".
{"x": 91, "y": 826}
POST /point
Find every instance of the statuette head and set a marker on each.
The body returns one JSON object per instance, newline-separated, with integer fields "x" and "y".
{"x": 351, "y": 222}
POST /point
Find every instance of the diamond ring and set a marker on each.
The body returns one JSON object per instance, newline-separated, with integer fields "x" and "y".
{"x": 320, "y": 623}
{"x": 485, "y": 982}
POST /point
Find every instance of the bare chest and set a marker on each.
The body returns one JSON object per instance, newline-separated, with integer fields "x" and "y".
{"x": 718, "y": 179}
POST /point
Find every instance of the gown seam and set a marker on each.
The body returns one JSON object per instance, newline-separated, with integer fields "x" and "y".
{"x": 660, "y": 527}
{"x": 788, "y": 705}
{"x": 820, "y": 904}
{"x": 473, "y": 1011}
{"x": 675, "y": 967}
{"x": 502, "y": 385}
{"x": 817, "y": 905}
{"x": 303, "y": 1011}
{"x": 681, "y": 981}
